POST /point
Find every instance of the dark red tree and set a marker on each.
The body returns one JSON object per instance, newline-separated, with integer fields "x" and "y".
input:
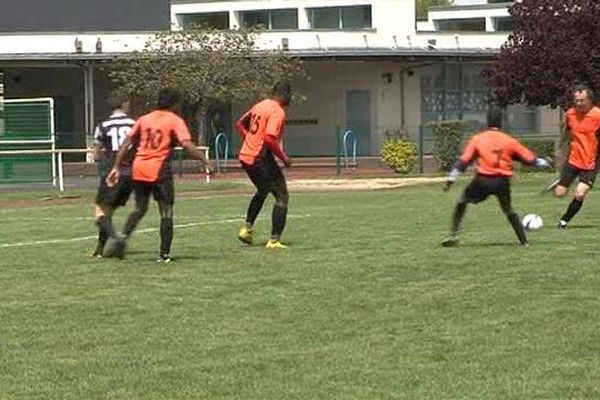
{"x": 555, "y": 44}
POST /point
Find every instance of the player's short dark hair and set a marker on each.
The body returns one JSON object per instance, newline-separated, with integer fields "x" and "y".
{"x": 282, "y": 90}
{"x": 581, "y": 87}
{"x": 167, "y": 98}
{"x": 116, "y": 100}
{"x": 495, "y": 116}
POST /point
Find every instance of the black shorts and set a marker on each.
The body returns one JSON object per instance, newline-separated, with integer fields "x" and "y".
{"x": 483, "y": 186}
{"x": 163, "y": 191}
{"x": 267, "y": 176}
{"x": 115, "y": 196}
{"x": 568, "y": 174}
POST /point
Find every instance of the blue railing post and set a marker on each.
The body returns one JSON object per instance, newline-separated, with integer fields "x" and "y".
{"x": 349, "y": 134}
{"x": 221, "y": 137}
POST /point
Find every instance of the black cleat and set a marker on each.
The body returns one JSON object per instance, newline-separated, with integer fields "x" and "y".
{"x": 450, "y": 241}
{"x": 116, "y": 248}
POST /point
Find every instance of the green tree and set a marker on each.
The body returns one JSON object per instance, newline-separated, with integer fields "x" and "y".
{"x": 209, "y": 67}
{"x": 423, "y": 6}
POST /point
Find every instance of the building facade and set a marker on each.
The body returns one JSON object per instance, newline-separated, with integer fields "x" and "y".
{"x": 373, "y": 68}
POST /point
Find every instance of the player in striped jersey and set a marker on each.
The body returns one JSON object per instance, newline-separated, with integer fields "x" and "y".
{"x": 108, "y": 137}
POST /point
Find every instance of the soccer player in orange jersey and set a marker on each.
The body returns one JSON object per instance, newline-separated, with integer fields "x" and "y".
{"x": 493, "y": 151}
{"x": 583, "y": 124}
{"x": 261, "y": 129}
{"x": 154, "y": 135}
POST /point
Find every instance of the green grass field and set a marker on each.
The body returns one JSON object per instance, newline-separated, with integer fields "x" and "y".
{"x": 365, "y": 304}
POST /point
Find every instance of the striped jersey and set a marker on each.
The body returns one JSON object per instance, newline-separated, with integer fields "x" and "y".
{"x": 110, "y": 135}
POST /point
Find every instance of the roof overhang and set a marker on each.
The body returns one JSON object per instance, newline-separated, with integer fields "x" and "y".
{"x": 366, "y": 54}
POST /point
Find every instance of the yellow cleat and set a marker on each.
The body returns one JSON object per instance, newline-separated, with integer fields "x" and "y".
{"x": 245, "y": 235}
{"x": 275, "y": 244}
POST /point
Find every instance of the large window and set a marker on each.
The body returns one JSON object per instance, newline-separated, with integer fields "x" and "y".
{"x": 215, "y": 20}
{"x": 458, "y": 25}
{"x": 455, "y": 91}
{"x": 504, "y": 24}
{"x": 270, "y": 19}
{"x": 340, "y": 18}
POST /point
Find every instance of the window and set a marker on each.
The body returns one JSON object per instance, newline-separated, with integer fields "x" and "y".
{"x": 284, "y": 19}
{"x": 270, "y": 19}
{"x": 356, "y": 17}
{"x": 258, "y": 18}
{"x": 340, "y": 18}
{"x": 466, "y": 24}
{"x": 504, "y": 24}
{"x": 216, "y": 20}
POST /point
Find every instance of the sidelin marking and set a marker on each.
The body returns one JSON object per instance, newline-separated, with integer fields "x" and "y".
{"x": 147, "y": 230}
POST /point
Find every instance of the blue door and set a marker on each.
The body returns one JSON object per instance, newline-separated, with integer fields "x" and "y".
{"x": 358, "y": 118}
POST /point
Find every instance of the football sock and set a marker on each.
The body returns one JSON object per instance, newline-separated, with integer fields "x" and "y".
{"x": 133, "y": 219}
{"x": 105, "y": 230}
{"x": 255, "y": 206}
{"x": 102, "y": 238}
{"x": 166, "y": 235}
{"x": 515, "y": 222}
{"x": 457, "y": 217}
{"x": 573, "y": 209}
{"x": 278, "y": 219}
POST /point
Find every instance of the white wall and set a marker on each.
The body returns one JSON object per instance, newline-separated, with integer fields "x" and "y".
{"x": 326, "y": 103}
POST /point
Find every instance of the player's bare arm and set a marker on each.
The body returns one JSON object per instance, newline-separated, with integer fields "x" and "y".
{"x": 243, "y": 124}
{"x": 192, "y": 150}
{"x": 274, "y": 145}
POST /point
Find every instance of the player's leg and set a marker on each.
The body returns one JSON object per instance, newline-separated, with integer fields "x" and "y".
{"x": 460, "y": 209}
{"x": 103, "y": 213}
{"x": 105, "y": 227}
{"x": 142, "y": 193}
{"x": 258, "y": 177}
{"x": 280, "y": 208}
{"x": 567, "y": 176}
{"x": 581, "y": 190}
{"x": 504, "y": 198}
{"x": 475, "y": 192}
{"x": 586, "y": 181}
{"x": 164, "y": 194}
{"x": 116, "y": 248}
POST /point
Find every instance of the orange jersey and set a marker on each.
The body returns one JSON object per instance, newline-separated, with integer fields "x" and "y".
{"x": 584, "y": 143}
{"x": 265, "y": 119}
{"x": 155, "y": 134}
{"x": 494, "y": 152}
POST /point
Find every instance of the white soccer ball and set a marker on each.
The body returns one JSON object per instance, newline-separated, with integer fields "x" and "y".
{"x": 532, "y": 222}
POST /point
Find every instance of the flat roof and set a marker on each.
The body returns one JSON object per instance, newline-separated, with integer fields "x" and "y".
{"x": 336, "y": 53}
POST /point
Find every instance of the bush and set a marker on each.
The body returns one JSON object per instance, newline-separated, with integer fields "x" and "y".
{"x": 399, "y": 154}
{"x": 447, "y": 142}
{"x": 541, "y": 147}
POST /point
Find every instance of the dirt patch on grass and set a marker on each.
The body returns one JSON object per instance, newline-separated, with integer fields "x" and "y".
{"x": 358, "y": 184}
{"x": 294, "y": 185}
